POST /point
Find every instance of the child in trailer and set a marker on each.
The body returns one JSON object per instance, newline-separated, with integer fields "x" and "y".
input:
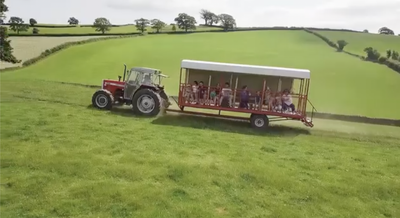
{"x": 287, "y": 105}
{"x": 244, "y": 98}
{"x": 202, "y": 92}
{"x": 278, "y": 103}
{"x": 226, "y": 96}
{"x": 195, "y": 90}
{"x": 257, "y": 100}
{"x": 214, "y": 94}
{"x": 187, "y": 93}
{"x": 268, "y": 99}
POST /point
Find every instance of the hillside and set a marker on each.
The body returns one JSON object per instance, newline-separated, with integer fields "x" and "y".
{"x": 333, "y": 89}
{"x": 359, "y": 41}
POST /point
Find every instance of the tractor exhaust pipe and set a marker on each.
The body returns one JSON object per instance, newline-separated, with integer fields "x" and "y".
{"x": 124, "y": 72}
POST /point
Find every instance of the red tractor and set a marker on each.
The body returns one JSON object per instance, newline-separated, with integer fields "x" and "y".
{"x": 141, "y": 87}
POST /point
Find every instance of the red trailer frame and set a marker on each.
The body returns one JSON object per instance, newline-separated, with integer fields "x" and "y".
{"x": 260, "y": 76}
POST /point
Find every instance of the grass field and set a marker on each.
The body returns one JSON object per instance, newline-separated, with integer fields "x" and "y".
{"x": 333, "y": 86}
{"x": 87, "y": 30}
{"x": 62, "y": 158}
{"x": 27, "y": 48}
{"x": 359, "y": 41}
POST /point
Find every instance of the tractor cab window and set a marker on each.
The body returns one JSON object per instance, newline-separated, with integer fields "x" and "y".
{"x": 134, "y": 77}
{"x": 147, "y": 79}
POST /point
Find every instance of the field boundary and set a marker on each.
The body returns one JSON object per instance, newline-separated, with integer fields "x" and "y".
{"x": 61, "y": 47}
{"x": 388, "y": 63}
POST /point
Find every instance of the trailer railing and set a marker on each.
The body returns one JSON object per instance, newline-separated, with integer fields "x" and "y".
{"x": 204, "y": 99}
{"x": 312, "y": 111}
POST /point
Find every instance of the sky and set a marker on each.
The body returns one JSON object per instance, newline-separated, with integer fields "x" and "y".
{"x": 346, "y": 14}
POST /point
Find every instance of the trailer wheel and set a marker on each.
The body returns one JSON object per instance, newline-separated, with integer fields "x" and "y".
{"x": 146, "y": 102}
{"x": 259, "y": 121}
{"x": 102, "y": 100}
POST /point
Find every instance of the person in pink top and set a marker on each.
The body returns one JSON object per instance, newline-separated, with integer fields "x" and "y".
{"x": 287, "y": 104}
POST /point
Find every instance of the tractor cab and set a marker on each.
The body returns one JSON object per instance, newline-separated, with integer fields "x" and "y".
{"x": 141, "y": 77}
{"x": 140, "y": 87}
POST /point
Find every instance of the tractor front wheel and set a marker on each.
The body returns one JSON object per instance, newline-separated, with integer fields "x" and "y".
{"x": 102, "y": 100}
{"x": 146, "y": 102}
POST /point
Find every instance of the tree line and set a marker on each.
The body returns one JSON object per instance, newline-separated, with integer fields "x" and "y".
{"x": 183, "y": 21}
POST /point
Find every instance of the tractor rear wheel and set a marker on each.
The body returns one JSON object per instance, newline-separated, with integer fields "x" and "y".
{"x": 146, "y": 102}
{"x": 259, "y": 121}
{"x": 165, "y": 100}
{"x": 102, "y": 100}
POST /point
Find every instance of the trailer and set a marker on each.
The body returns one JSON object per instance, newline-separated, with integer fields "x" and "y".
{"x": 265, "y": 93}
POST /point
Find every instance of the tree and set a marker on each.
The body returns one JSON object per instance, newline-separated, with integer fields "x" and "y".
{"x": 6, "y": 53}
{"x": 205, "y": 15}
{"x": 32, "y": 22}
{"x": 35, "y": 30}
{"x": 395, "y": 55}
{"x": 18, "y": 25}
{"x": 141, "y": 24}
{"x": 102, "y": 25}
{"x": 73, "y": 21}
{"x": 372, "y": 54}
{"x": 341, "y": 44}
{"x": 173, "y": 27}
{"x": 209, "y": 17}
{"x": 157, "y": 25}
{"x": 386, "y": 31}
{"x": 214, "y": 19}
{"x": 227, "y": 21}
{"x": 366, "y": 31}
{"x": 388, "y": 53}
{"x": 185, "y": 22}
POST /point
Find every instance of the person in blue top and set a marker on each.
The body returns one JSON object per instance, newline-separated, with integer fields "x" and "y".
{"x": 244, "y": 98}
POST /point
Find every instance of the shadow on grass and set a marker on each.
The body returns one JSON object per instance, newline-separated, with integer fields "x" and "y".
{"x": 226, "y": 125}
{"x": 210, "y": 123}
{"x": 120, "y": 111}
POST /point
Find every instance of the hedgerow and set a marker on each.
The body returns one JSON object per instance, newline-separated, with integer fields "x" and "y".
{"x": 329, "y": 42}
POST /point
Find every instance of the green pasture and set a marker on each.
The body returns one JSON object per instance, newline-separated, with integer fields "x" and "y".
{"x": 88, "y": 30}
{"x": 340, "y": 84}
{"x": 62, "y": 158}
{"x": 359, "y": 41}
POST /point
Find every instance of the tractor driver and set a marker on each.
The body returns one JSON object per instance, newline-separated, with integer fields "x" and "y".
{"x": 147, "y": 79}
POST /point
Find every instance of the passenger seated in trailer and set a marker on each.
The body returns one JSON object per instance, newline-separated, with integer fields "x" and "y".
{"x": 188, "y": 93}
{"x": 202, "y": 92}
{"x": 226, "y": 96}
{"x": 257, "y": 100}
{"x": 244, "y": 98}
{"x": 287, "y": 105}
{"x": 268, "y": 101}
{"x": 215, "y": 93}
{"x": 195, "y": 90}
{"x": 277, "y": 105}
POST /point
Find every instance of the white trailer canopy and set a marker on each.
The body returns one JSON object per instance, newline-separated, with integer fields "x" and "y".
{"x": 246, "y": 69}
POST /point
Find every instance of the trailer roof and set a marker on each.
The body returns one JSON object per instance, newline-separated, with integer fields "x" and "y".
{"x": 246, "y": 69}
